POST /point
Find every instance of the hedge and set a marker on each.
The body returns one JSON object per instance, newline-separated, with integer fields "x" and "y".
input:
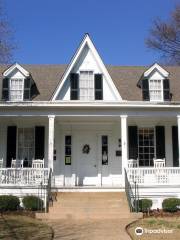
{"x": 144, "y": 204}
{"x": 9, "y": 203}
{"x": 171, "y": 204}
{"x": 32, "y": 203}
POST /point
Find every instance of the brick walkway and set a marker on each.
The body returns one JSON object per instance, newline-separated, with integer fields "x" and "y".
{"x": 90, "y": 229}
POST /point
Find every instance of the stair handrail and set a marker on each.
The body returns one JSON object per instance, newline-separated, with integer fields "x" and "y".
{"x": 48, "y": 190}
{"x": 132, "y": 197}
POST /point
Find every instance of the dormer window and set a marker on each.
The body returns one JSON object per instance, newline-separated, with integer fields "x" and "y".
{"x": 16, "y": 88}
{"x": 155, "y": 90}
{"x": 155, "y": 84}
{"x": 18, "y": 84}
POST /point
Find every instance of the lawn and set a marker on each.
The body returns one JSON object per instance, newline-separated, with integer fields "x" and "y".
{"x": 166, "y": 228}
{"x": 17, "y": 227}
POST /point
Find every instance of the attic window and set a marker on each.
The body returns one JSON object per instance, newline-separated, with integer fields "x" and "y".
{"x": 156, "y": 90}
{"x": 86, "y": 85}
{"x": 16, "y": 89}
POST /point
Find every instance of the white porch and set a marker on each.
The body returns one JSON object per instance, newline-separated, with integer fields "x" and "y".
{"x": 88, "y": 169}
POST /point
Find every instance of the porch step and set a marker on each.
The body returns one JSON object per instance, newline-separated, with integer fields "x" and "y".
{"x": 89, "y": 205}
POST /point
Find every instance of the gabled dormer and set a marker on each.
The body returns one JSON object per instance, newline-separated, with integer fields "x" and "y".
{"x": 86, "y": 77}
{"x": 155, "y": 84}
{"x": 17, "y": 84}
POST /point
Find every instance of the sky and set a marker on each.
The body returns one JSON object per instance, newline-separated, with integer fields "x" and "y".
{"x": 49, "y": 31}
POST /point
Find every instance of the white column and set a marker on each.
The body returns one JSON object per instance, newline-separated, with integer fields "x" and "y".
{"x": 124, "y": 142}
{"x": 50, "y": 141}
{"x": 178, "y": 122}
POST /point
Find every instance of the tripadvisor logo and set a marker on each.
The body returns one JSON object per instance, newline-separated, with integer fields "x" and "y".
{"x": 139, "y": 231}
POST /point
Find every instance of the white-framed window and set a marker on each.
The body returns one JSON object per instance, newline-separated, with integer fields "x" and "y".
{"x": 26, "y": 143}
{"x": 86, "y": 85}
{"x": 146, "y": 146}
{"x": 156, "y": 90}
{"x": 16, "y": 89}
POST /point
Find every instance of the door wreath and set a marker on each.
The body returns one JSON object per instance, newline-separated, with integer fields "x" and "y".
{"x": 86, "y": 149}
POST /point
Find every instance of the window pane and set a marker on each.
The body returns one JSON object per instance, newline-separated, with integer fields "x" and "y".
{"x": 86, "y": 85}
{"x": 155, "y": 90}
{"x": 16, "y": 89}
{"x": 145, "y": 146}
{"x": 67, "y": 150}
{"x": 26, "y": 143}
{"x": 104, "y": 141}
{"x": 68, "y": 140}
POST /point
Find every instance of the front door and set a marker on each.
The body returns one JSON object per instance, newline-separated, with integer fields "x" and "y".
{"x": 87, "y": 160}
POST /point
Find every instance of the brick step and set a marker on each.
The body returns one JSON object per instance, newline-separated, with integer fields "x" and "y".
{"x": 87, "y": 202}
{"x": 47, "y": 216}
{"x": 92, "y": 209}
{"x": 92, "y": 195}
{"x": 89, "y": 205}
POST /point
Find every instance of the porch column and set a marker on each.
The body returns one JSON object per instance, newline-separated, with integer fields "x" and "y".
{"x": 178, "y": 122}
{"x": 50, "y": 141}
{"x": 124, "y": 143}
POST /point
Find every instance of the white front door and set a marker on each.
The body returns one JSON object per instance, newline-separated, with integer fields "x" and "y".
{"x": 87, "y": 160}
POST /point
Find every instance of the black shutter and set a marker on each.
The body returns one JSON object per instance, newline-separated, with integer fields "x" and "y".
{"x": 145, "y": 89}
{"x": 5, "y": 89}
{"x": 175, "y": 146}
{"x": 74, "y": 83}
{"x": 11, "y": 144}
{"x": 166, "y": 89}
{"x": 98, "y": 86}
{"x": 39, "y": 142}
{"x": 160, "y": 142}
{"x": 27, "y": 88}
{"x": 133, "y": 142}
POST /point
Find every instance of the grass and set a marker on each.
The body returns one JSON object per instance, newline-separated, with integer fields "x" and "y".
{"x": 167, "y": 223}
{"x": 17, "y": 227}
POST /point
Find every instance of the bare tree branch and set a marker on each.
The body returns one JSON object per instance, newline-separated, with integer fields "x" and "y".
{"x": 164, "y": 37}
{"x": 6, "y": 42}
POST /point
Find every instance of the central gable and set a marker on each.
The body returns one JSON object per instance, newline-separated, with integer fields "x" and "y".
{"x": 86, "y": 77}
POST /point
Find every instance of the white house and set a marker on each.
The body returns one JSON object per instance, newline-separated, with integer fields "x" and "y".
{"x": 89, "y": 122}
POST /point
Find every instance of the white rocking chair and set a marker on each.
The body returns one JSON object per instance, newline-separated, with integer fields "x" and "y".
{"x": 16, "y": 163}
{"x": 38, "y": 163}
{"x": 160, "y": 174}
{"x": 133, "y": 163}
{"x": 38, "y": 175}
{"x": 159, "y": 163}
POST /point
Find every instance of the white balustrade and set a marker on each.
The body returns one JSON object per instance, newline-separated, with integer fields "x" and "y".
{"x": 24, "y": 176}
{"x": 154, "y": 176}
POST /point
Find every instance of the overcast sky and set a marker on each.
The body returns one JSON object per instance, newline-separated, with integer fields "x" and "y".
{"x": 49, "y": 31}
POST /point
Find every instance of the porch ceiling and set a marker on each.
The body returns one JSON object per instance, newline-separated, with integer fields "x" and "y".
{"x": 87, "y": 119}
{"x": 154, "y": 120}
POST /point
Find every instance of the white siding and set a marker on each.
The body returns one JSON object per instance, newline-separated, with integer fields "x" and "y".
{"x": 87, "y": 62}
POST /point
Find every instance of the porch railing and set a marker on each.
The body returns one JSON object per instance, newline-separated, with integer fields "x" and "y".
{"x": 24, "y": 176}
{"x": 154, "y": 176}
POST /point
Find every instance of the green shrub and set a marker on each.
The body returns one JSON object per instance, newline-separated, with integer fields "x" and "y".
{"x": 9, "y": 203}
{"x": 144, "y": 205}
{"x": 170, "y": 204}
{"x": 32, "y": 203}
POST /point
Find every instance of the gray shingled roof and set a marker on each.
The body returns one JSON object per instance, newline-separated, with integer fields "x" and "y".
{"x": 125, "y": 78}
